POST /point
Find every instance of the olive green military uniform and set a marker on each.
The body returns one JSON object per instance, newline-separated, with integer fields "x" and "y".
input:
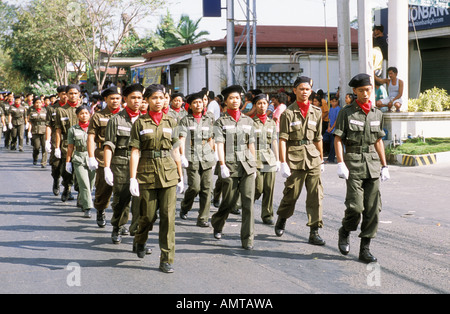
{"x": 157, "y": 175}
{"x": 117, "y": 137}
{"x": 64, "y": 120}
{"x": 304, "y": 160}
{"x": 359, "y": 132}
{"x": 85, "y": 177}
{"x": 7, "y": 133}
{"x": 200, "y": 155}
{"x": 18, "y": 115}
{"x": 37, "y": 121}
{"x": 56, "y": 164}
{"x": 236, "y": 136}
{"x": 27, "y": 107}
{"x": 266, "y": 163}
{"x": 103, "y": 191}
{"x": 2, "y": 114}
{"x": 177, "y": 115}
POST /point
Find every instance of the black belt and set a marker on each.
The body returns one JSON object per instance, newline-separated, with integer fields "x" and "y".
{"x": 360, "y": 149}
{"x": 80, "y": 149}
{"x": 155, "y": 153}
{"x": 299, "y": 143}
{"x": 122, "y": 152}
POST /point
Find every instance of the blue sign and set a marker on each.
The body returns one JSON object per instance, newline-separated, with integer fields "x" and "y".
{"x": 212, "y": 8}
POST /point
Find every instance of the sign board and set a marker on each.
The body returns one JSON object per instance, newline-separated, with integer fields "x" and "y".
{"x": 152, "y": 76}
{"x": 432, "y": 3}
{"x": 212, "y": 8}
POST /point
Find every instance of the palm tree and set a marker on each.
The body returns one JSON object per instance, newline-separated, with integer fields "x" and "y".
{"x": 186, "y": 31}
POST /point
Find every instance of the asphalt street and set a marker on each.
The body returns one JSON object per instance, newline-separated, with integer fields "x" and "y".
{"x": 46, "y": 246}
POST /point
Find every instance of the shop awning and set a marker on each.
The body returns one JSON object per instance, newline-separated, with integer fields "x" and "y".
{"x": 163, "y": 61}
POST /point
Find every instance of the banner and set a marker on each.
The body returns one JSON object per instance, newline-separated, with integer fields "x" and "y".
{"x": 152, "y": 76}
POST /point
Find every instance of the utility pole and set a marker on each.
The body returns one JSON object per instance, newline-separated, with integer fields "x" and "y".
{"x": 365, "y": 40}
{"x": 230, "y": 42}
{"x": 344, "y": 48}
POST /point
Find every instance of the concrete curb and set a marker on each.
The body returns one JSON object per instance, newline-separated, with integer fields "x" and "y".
{"x": 421, "y": 160}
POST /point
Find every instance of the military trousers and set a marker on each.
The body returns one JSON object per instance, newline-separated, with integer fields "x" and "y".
{"x": 232, "y": 187}
{"x": 103, "y": 191}
{"x": 7, "y": 135}
{"x": 85, "y": 179}
{"x": 68, "y": 179}
{"x": 38, "y": 143}
{"x": 165, "y": 200}
{"x": 363, "y": 199}
{"x": 199, "y": 183}
{"x": 121, "y": 198}
{"x": 314, "y": 195}
{"x": 264, "y": 185}
{"x": 17, "y": 136}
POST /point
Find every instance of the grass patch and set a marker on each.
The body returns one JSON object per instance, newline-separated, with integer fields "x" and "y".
{"x": 416, "y": 146}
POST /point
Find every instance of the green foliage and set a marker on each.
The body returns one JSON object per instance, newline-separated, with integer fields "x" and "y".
{"x": 435, "y": 99}
{"x": 44, "y": 88}
{"x": 417, "y": 146}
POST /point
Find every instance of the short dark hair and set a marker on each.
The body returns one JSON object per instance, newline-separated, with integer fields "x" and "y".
{"x": 393, "y": 69}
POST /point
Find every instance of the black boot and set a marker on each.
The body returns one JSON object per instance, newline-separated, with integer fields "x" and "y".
{"x": 314, "y": 237}
{"x": 344, "y": 241}
{"x": 101, "y": 219}
{"x": 280, "y": 226}
{"x": 56, "y": 187}
{"x": 364, "y": 252}
{"x": 115, "y": 235}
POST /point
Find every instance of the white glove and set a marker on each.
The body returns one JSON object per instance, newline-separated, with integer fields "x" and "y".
{"x": 109, "y": 177}
{"x": 134, "y": 187}
{"x": 5, "y": 128}
{"x": 30, "y": 135}
{"x": 58, "y": 153}
{"x": 285, "y": 170}
{"x": 180, "y": 186}
{"x": 278, "y": 166}
{"x": 216, "y": 156}
{"x": 224, "y": 171}
{"x": 48, "y": 147}
{"x": 27, "y": 125}
{"x": 92, "y": 163}
{"x": 385, "y": 174}
{"x": 342, "y": 171}
{"x": 322, "y": 167}
{"x": 184, "y": 162}
{"x": 10, "y": 126}
{"x": 69, "y": 167}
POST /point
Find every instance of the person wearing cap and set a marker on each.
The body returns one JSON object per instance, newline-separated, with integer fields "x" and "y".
{"x": 77, "y": 159}
{"x": 359, "y": 127}
{"x": 197, "y": 156}
{"x": 37, "y": 120}
{"x": 50, "y": 138}
{"x": 301, "y": 158}
{"x": 156, "y": 175}
{"x": 27, "y": 104}
{"x": 266, "y": 146}
{"x": 17, "y": 120}
{"x": 6, "y": 105}
{"x": 234, "y": 135}
{"x": 176, "y": 109}
{"x": 116, "y": 160}
{"x": 96, "y": 138}
{"x": 66, "y": 117}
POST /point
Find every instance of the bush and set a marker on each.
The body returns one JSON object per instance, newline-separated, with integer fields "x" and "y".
{"x": 435, "y": 99}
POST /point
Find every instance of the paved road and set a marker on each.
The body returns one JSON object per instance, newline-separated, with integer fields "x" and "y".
{"x": 47, "y": 247}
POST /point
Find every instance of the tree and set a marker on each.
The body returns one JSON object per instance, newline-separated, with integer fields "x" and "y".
{"x": 187, "y": 31}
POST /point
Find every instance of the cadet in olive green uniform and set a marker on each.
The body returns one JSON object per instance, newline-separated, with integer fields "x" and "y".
{"x": 197, "y": 155}
{"x": 235, "y": 140}
{"x": 176, "y": 109}
{"x": 17, "y": 121}
{"x": 96, "y": 138}
{"x": 301, "y": 159}
{"x": 65, "y": 118}
{"x": 266, "y": 145}
{"x": 9, "y": 101}
{"x": 50, "y": 138}
{"x": 156, "y": 174}
{"x": 116, "y": 158}
{"x": 359, "y": 127}
{"x": 3, "y": 124}
{"x": 77, "y": 159}
{"x": 37, "y": 120}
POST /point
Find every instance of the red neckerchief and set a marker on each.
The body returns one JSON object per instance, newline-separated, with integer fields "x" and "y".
{"x": 17, "y": 106}
{"x": 177, "y": 109}
{"x": 143, "y": 111}
{"x": 262, "y": 117}
{"x": 365, "y": 107}
{"x": 303, "y": 108}
{"x": 115, "y": 110}
{"x": 38, "y": 110}
{"x": 156, "y": 116}
{"x": 165, "y": 110}
{"x": 132, "y": 114}
{"x": 235, "y": 114}
{"x": 72, "y": 104}
{"x": 84, "y": 126}
{"x": 197, "y": 116}
{"x": 61, "y": 104}
{"x": 30, "y": 103}
{"x": 186, "y": 106}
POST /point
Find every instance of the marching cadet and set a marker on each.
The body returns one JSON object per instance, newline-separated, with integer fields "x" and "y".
{"x": 196, "y": 142}
{"x": 66, "y": 117}
{"x": 116, "y": 158}
{"x": 17, "y": 120}
{"x": 9, "y": 101}
{"x": 234, "y": 136}
{"x": 50, "y": 137}
{"x": 156, "y": 175}
{"x": 359, "y": 127}
{"x": 96, "y": 138}
{"x": 3, "y": 126}
{"x": 267, "y": 163}
{"x": 176, "y": 109}
{"x": 27, "y": 104}
{"x": 77, "y": 159}
{"x": 37, "y": 127}
{"x": 301, "y": 158}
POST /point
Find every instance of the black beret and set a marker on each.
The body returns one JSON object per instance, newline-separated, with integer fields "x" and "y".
{"x": 61, "y": 89}
{"x": 72, "y": 86}
{"x": 175, "y": 95}
{"x": 303, "y": 79}
{"x": 133, "y": 88}
{"x": 232, "y": 89}
{"x": 361, "y": 79}
{"x": 82, "y": 107}
{"x": 259, "y": 97}
{"x": 113, "y": 90}
{"x": 190, "y": 98}
{"x": 153, "y": 88}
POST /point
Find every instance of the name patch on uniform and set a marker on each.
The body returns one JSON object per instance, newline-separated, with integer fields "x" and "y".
{"x": 226, "y": 127}
{"x": 375, "y": 123}
{"x": 104, "y": 119}
{"x": 257, "y": 130}
{"x": 205, "y": 128}
{"x": 312, "y": 122}
{"x": 295, "y": 123}
{"x": 123, "y": 128}
{"x": 192, "y": 128}
{"x": 64, "y": 118}
{"x": 167, "y": 130}
{"x": 356, "y": 122}
{"x": 247, "y": 127}
{"x": 146, "y": 131}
